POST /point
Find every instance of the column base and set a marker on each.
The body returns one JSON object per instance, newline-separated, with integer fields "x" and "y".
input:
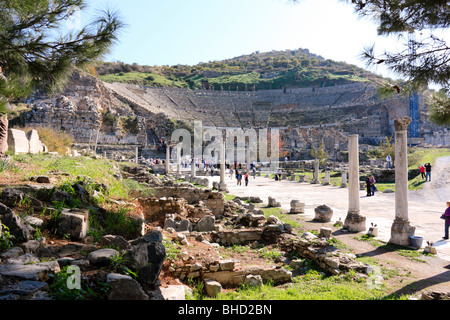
{"x": 223, "y": 187}
{"x": 401, "y": 230}
{"x": 355, "y": 222}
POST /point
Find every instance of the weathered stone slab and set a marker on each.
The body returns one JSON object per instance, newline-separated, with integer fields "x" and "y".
{"x": 273, "y": 203}
{"x": 35, "y": 145}
{"x": 124, "y": 287}
{"x": 115, "y": 241}
{"x": 175, "y": 292}
{"x": 17, "y": 227}
{"x": 13, "y": 197}
{"x": 102, "y": 256}
{"x": 206, "y": 224}
{"x": 238, "y": 236}
{"x": 36, "y": 272}
{"x": 213, "y": 288}
{"x": 24, "y": 288}
{"x": 230, "y": 279}
{"x": 73, "y": 224}
{"x": 17, "y": 141}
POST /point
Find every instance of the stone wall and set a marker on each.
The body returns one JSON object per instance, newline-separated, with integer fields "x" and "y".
{"x": 212, "y": 200}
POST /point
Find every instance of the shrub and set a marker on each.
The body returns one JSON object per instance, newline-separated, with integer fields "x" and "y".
{"x": 114, "y": 221}
{"x": 6, "y": 238}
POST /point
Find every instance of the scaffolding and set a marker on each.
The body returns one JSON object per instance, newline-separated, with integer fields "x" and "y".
{"x": 414, "y": 114}
{"x": 413, "y": 97}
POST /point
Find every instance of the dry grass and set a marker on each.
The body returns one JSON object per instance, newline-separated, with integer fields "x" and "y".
{"x": 55, "y": 140}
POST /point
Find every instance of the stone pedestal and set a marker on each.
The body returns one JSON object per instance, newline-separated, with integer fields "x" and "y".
{"x": 401, "y": 229}
{"x": 354, "y": 222}
{"x": 273, "y": 203}
{"x": 344, "y": 179}
{"x": 297, "y": 207}
{"x": 327, "y": 178}
{"x": 178, "y": 161}
{"x": 323, "y": 213}
{"x": 222, "y": 184}
{"x": 193, "y": 169}
{"x": 167, "y": 159}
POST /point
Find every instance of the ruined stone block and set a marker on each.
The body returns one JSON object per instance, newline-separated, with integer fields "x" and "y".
{"x": 75, "y": 225}
{"x": 34, "y": 144}
{"x": 297, "y": 207}
{"x": 213, "y": 288}
{"x": 17, "y": 141}
{"x": 323, "y": 213}
{"x": 124, "y": 287}
{"x": 206, "y": 224}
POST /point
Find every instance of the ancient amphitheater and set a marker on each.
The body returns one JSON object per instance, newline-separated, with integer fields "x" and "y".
{"x": 306, "y": 116}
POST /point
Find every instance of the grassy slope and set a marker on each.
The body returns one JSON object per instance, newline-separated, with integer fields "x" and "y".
{"x": 275, "y": 69}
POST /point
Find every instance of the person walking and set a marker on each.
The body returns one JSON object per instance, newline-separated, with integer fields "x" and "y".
{"x": 368, "y": 187}
{"x": 428, "y": 172}
{"x": 372, "y": 185}
{"x": 422, "y": 171}
{"x": 388, "y": 162}
{"x": 239, "y": 178}
{"x": 246, "y": 179}
{"x": 446, "y": 217}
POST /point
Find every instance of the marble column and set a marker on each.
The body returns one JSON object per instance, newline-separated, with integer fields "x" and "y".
{"x": 193, "y": 169}
{"x": 167, "y": 159}
{"x": 137, "y": 155}
{"x": 401, "y": 229}
{"x": 316, "y": 172}
{"x": 247, "y": 156}
{"x": 354, "y": 221}
{"x": 178, "y": 161}
{"x": 222, "y": 184}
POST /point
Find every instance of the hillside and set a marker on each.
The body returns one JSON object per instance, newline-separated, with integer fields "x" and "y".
{"x": 259, "y": 71}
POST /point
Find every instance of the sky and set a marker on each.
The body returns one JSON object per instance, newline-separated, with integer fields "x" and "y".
{"x": 170, "y": 32}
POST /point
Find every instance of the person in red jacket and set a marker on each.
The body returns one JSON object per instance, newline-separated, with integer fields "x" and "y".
{"x": 422, "y": 171}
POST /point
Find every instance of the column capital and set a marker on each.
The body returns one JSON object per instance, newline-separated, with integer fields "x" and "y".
{"x": 402, "y": 123}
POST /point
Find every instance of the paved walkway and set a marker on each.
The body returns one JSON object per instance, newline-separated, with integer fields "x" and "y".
{"x": 424, "y": 210}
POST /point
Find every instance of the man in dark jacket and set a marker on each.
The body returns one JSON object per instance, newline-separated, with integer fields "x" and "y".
{"x": 428, "y": 172}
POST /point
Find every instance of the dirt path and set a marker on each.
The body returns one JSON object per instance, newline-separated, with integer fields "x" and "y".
{"x": 438, "y": 189}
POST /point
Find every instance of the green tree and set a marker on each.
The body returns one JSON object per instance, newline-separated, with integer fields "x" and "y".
{"x": 321, "y": 154}
{"x": 36, "y": 53}
{"x": 387, "y": 148}
{"x": 425, "y": 57}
